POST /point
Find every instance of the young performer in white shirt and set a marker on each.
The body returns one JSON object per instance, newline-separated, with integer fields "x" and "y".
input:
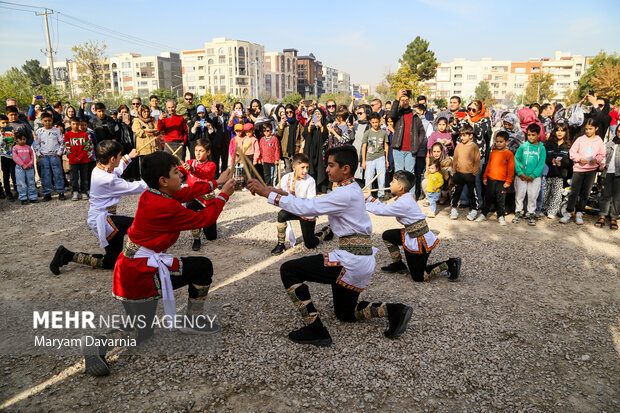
{"x": 348, "y": 269}
{"x": 106, "y": 190}
{"x": 416, "y": 238}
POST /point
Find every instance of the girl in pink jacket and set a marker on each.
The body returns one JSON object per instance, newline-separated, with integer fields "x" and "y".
{"x": 24, "y": 169}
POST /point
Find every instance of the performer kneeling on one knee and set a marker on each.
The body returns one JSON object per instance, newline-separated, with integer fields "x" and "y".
{"x": 106, "y": 190}
{"x": 302, "y": 185}
{"x": 417, "y": 240}
{"x": 143, "y": 273}
{"x": 349, "y": 268}
{"x": 200, "y": 169}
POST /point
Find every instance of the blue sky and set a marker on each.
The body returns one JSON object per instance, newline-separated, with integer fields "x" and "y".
{"x": 365, "y": 38}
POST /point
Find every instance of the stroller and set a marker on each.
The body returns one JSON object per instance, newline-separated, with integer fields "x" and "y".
{"x": 594, "y": 199}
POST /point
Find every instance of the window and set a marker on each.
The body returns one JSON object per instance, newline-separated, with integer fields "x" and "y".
{"x": 127, "y": 83}
{"x": 154, "y": 82}
{"x": 458, "y": 68}
{"x": 192, "y": 88}
{"x": 210, "y": 61}
{"x": 458, "y": 84}
{"x": 201, "y": 78}
{"x": 189, "y": 69}
{"x": 210, "y": 52}
{"x": 200, "y": 57}
{"x": 518, "y": 85}
{"x": 499, "y": 77}
{"x": 143, "y": 83}
{"x": 519, "y": 70}
{"x": 472, "y": 77}
{"x": 137, "y": 65}
{"x": 126, "y": 74}
{"x": 222, "y": 60}
{"x": 191, "y": 78}
{"x": 201, "y": 87}
{"x": 222, "y": 51}
{"x": 201, "y": 68}
{"x": 126, "y": 65}
{"x": 444, "y": 69}
{"x": 536, "y": 70}
{"x": 457, "y": 92}
{"x": 190, "y": 58}
{"x": 458, "y": 76}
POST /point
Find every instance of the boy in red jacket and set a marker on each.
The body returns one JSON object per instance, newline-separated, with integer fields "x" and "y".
{"x": 144, "y": 273}
{"x": 77, "y": 148}
{"x": 200, "y": 169}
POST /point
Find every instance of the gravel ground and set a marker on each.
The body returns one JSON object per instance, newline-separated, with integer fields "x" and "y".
{"x": 533, "y": 325}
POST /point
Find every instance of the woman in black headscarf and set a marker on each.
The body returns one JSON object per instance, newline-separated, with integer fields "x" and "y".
{"x": 315, "y": 133}
{"x": 600, "y": 113}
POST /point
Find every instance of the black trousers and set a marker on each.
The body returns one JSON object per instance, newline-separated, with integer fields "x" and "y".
{"x": 307, "y": 227}
{"x": 580, "y": 188}
{"x": 420, "y": 167}
{"x": 460, "y": 181}
{"x": 115, "y": 244}
{"x": 268, "y": 170}
{"x": 417, "y": 263}
{"x": 312, "y": 269}
{"x": 220, "y": 157}
{"x": 210, "y": 231}
{"x": 196, "y": 271}
{"x": 8, "y": 174}
{"x": 495, "y": 194}
{"x": 80, "y": 179}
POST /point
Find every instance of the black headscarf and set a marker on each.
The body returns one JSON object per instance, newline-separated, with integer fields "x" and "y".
{"x": 602, "y": 118}
{"x": 315, "y": 137}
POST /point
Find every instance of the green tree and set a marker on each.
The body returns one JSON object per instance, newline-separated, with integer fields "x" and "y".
{"x": 510, "y": 100}
{"x": 606, "y": 82}
{"x": 384, "y": 91}
{"x": 164, "y": 95}
{"x": 572, "y": 97}
{"x": 88, "y": 58}
{"x": 292, "y": 98}
{"x": 406, "y": 79}
{"x": 539, "y": 89}
{"x": 340, "y": 98}
{"x": 14, "y": 83}
{"x": 38, "y": 76}
{"x": 440, "y": 103}
{"x": 483, "y": 92}
{"x": 594, "y": 67}
{"x": 420, "y": 60}
{"x": 208, "y": 99}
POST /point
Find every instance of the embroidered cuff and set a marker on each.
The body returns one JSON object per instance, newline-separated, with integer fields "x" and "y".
{"x": 126, "y": 159}
{"x": 371, "y": 199}
{"x": 274, "y": 198}
{"x": 222, "y": 197}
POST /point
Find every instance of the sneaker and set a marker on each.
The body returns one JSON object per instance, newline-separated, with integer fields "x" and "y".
{"x": 278, "y": 249}
{"x": 94, "y": 355}
{"x": 566, "y": 217}
{"x": 454, "y": 214}
{"x": 74, "y": 196}
{"x": 579, "y": 218}
{"x": 426, "y": 203}
{"x": 517, "y": 218}
{"x": 196, "y": 244}
{"x": 550, "y": 216}
{"x": 25, "y": 202}
{"x": 481, "y": 218}
{"x": 454, "y": 268}
{"x": 431, "y": 214}
{"x": 47, "y": 197}
{"x": 472, "y": 215}
{"x": 318, "y": 336}
{"x": 539, "y": 215}
{"x": 398, "y": 318}
{"x": 34, "y": 201}
{"x": 61, "y": 257}
{"x": 502, "y": 221}
{"x": 398, "y": 267}
{"x": 85, "y": 196}
{"x": 531, "y": 220}
{"x": 62, "y": 197}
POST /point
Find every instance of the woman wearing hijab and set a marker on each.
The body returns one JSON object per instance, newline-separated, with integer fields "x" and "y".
{"x": 600, "y": 113}
{"x": 289, "y": 132}
{"x": 476, "y": 117}
{"x": 315, "y": 133}
{"x": 127, "y": 139}
{"x": 199, "y": 128}
{"x": 511, "y": 126}
{"x": 144, "y": 130}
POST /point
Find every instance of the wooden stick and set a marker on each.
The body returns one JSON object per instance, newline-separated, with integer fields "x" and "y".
{"x": 373, "y": 180}
{"x": 380, "y": 189}
{"x": 146, "y": 144}
{"x": 247, "y": 161}
{"x": 175, "y": 152}
{"x": 279, "y": 171}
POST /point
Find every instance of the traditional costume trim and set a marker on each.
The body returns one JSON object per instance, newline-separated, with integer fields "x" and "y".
{"x": 346, "y": 182}
{"x": 103, "y": 168}
{"x": 112, "y": 210}
{"x": 130, "y": 248}
{"x": 126, "y": 159}
{"x": 421, "y": 243}
{"x": 158, "y": 192}
{"x": 417, "y": 229}
{"x": 339, "y": 281}
{"x": 357, "y": 244}
{"x": 308, "y": 219}
{"x": 220, "y": 197}
{"x": 328, "y": 263}
{"x": 276, "y": 201}
{"x": 114, "y": 229}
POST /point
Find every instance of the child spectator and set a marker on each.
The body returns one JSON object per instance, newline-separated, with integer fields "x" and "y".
{"x": 24, "y": 169}
{"x": 200, "y": 169}
{"x": 77, "y": 146}
{"x": 437, "y": 153}
{"x": 433, "y": 188}
{"x": 270, "y": 154}
{"x": 375, "y": 147}
{"x": 559, "y": 163}
{"x": 83, "y": 125}
{"x": 466, "y": 165}
{"x": 587, "y": 153}
{"x": 7, "y": 141}
{"x": 339, "y": 132}
{"x": 103, "y": 125}
{"x": 529, "y": 164}
{"x": 302, "y": 185}
{"x": 246, "y": 141}
{"x": 610, "y": 200}
{"x": 442, "y": 135}
{"x": 497, "y": 177}
{"x": 49, "y": 147}
{"x": 515, "y": 134}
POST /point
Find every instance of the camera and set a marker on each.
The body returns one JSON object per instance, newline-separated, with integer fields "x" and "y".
{"x": 591, "y": 92}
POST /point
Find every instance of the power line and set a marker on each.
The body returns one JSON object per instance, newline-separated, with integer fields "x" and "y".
{"x": 14, "y": 8}
{"x": 23, "y": 5}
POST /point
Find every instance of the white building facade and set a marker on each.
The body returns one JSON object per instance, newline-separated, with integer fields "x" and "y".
{"x": 281, "y": 73}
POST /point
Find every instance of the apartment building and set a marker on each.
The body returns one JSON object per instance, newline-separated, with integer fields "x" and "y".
{"x": 309, "y": 73}
{"x": 344, "y": 83}
{"x": 132, "y": 74}
{"x": 281, "y": 73}
{"x": 330, "y": 80}
{"x": 234, "y": 67}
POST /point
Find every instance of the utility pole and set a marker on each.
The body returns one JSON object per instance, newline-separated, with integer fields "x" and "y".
{"x": 50, "y": 56}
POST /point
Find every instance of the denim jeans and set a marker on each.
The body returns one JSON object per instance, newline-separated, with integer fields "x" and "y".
{"x": 375, "y": 167}
{"x": 465, "y": 194}
{"x": 26, "y": 188}
{"x": 433, "y": 197}
{"x": 404, "y": 160}
{"x": 52, "y": 165}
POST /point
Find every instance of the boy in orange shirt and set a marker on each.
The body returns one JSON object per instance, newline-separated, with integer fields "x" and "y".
{"x": 497, "y": 177}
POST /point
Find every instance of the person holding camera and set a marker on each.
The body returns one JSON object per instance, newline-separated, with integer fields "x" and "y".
{"x": 408, "y": 134}
{"x": 221, "y": 139}
{"x": 201, "y": 128}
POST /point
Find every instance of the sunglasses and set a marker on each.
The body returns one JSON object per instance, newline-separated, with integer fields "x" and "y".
{"x": 331, "y": 106}
{"x": 601, "y": 106}
{"x": 290, "y": 112}
{"x": 361, "y": 113}
{"x": 189, "y": 98}
{"x": 135, "y": 104}
{"x": 471, "y": 109}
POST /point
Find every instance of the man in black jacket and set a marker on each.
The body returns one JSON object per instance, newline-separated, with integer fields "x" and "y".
{"x": 104, "y": 126}
{"x": 221, "y": 139}
{"x": 408, "y": 135}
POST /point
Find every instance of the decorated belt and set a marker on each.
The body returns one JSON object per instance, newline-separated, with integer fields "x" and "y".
{"x": 417, "y": 229}
{"x": 111, "y": 210}
{"x": 130, "y": 248}
{"x": 356, "y": 244}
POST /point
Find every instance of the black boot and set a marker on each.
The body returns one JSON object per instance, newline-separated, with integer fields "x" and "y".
{"x": 196, "y": 244}
{"x": 94, "y": 355}
{"x": 325, "y": 234}
{"x": 398, "y": 266}
{"x": 278, "y": 249}
{"x": 314, "y": 333}
{"x": 62, "y": 257}
{"x": 454, "y": 268}
{"x": 398, "y": 318}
